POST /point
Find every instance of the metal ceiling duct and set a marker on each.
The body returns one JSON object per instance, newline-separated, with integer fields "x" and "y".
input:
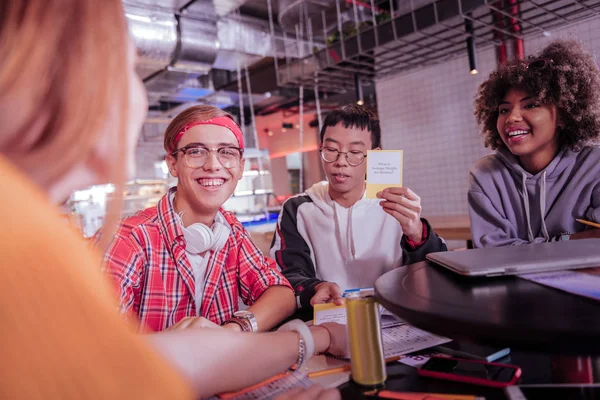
{"x": 224, "y": 7}
{"x": 290, "y": 11}
{"x": 155, "y": 37}
{"x": 173, "y": 51}
{"x": 165, "y": 5}
{"x": 242, "y": 40}
{"x": 179, "y": 43}
{"x": 198, "y": 46}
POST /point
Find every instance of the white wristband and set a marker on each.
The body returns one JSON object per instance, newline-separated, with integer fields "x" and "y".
{"x": 299, "y": 326}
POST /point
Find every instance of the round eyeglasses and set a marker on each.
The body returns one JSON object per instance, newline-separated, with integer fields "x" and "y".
{"x": 197, "y": 156}
{"x": 354, "y": 157}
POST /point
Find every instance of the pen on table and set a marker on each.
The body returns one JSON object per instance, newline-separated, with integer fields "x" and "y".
{"x": 388, "y": 394}
{"x": 344, "y": 368}
{"x": 590, "y": 223}
{"x": 330, "y": 371}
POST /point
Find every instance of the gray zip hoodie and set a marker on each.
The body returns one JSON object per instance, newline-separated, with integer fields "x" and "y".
{"x": 510, "y": 206}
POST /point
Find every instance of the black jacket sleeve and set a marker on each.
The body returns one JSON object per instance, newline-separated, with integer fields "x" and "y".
{"x": 292, "y": 253}
{"x": 433, "y": 244}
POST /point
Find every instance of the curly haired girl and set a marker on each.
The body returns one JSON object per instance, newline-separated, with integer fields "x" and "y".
{"x": 541, "y": 116}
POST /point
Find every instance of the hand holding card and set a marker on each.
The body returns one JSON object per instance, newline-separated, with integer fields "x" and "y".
{"x": 404, "y": 205}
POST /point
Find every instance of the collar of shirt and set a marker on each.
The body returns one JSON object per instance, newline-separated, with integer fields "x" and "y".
{"x": 169, "y": 225}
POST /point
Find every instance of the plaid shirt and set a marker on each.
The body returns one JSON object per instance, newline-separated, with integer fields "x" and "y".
{"x": 155, "y": 280}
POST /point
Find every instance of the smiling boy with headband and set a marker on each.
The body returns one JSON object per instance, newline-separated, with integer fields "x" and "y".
{"x": 187, "y": 257}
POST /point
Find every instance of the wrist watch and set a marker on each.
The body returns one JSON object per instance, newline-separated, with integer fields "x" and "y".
{"x": 246, "y": 320}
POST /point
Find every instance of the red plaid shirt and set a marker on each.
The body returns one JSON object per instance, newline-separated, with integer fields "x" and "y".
{"x": 156, "y": 281}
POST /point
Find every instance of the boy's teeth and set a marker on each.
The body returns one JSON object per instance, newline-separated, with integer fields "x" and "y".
{"x": 211, "y": 182}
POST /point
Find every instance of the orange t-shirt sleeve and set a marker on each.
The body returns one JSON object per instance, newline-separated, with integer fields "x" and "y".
{"x": 62, "y": 336}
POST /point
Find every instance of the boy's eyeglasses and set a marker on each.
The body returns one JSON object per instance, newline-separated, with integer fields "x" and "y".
{"x": 354, "y": 157}
{"x": 197, "y": 156}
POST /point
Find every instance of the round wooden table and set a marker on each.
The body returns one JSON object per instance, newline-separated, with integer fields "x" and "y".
{"x": 503, "y": 311}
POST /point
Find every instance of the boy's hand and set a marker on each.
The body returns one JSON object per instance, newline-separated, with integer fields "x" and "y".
{"x": 326, "y": 292}
{"x": 404, "y": 205}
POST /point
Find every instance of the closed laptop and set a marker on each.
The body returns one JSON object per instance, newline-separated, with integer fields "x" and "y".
{"x": 514, "y": 260}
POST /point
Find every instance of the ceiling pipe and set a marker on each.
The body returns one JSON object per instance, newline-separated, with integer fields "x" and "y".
{"x": 499, "y": 37}
{"x": 516, "y": 28}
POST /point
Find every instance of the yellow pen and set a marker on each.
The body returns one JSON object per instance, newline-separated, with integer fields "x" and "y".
{"x": 583, "y": 221}
{"x": 330, "y": 371}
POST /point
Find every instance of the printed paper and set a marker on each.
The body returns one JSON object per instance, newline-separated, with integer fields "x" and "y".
{"x": 583, "y": 282}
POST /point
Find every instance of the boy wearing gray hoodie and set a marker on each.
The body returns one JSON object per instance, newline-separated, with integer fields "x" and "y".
{"x": 540, "y": 116}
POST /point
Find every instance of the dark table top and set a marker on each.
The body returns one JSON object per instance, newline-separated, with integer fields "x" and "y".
{"x": 402, "y": 378}
{"x": 502, "y": 311}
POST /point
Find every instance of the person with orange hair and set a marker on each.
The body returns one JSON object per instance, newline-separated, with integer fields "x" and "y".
{"x": 187, "y": 257}
{"x": 71, "y": 107}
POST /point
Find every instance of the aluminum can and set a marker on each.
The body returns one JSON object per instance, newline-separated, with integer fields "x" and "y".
{"x": 364, "y": 334}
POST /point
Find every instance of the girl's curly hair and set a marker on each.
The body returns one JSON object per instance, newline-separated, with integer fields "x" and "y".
{"x": 568, "y": 78}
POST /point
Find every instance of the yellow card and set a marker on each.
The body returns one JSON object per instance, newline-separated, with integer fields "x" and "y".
{"x": 384, "y": 170}
{"x": 329, "y": 312}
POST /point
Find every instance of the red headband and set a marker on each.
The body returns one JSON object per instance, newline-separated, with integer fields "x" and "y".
{"x": 225, "y": 122}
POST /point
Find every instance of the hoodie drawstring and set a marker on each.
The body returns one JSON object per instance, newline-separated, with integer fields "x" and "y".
{"x": 351, "y": 233}
{"x": 525, "y": 195}
{"x": 543, "y": 206}
{"x": 346, "y": 246}
{"x": 526, "y": 204}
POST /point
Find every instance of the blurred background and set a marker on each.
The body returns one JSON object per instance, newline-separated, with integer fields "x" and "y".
{"x": 280, "y": 65}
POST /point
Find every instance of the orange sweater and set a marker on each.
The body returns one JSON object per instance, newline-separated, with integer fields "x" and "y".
{"x": 60, "y": 334}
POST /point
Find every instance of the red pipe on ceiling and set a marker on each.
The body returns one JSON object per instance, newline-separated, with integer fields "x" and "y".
{"x": 516, "y": 28}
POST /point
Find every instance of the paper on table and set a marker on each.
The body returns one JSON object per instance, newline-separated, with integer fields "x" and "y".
{"x": 329, "y": 312}
{"x": 270, "y": 388}
{"x": 405, "y": 339}
{"x": 384, "y": 170}
{"x": 583, "y": 282}
{"x": 399, "y": 338}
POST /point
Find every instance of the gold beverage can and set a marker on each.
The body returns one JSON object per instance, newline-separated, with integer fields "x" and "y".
{"x": 366, "y": 344}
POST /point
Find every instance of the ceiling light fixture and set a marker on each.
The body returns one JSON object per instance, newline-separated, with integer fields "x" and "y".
{"x": 359, "y": 90}
{"x": 471, "y": 46}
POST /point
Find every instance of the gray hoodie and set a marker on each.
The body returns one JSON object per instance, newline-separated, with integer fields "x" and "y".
{"x": 510, "y": 206}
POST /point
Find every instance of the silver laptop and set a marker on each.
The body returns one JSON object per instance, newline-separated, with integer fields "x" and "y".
{"x": 514, "y": 260}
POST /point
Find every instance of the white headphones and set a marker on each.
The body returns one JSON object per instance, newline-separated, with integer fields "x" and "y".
{"x": 199, "y": 238}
